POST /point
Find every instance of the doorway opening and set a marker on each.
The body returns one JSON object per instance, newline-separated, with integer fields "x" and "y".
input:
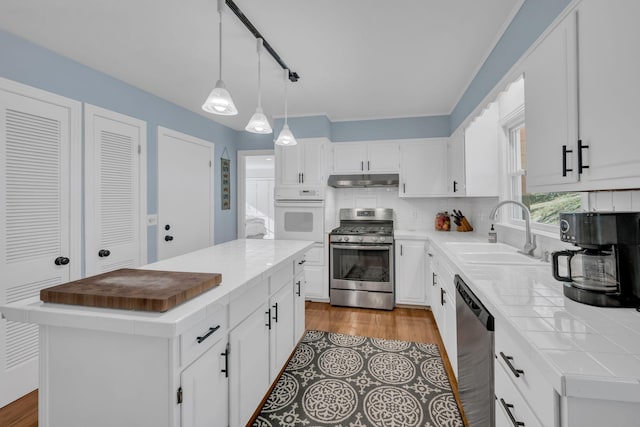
{"x": 256, "y": 180}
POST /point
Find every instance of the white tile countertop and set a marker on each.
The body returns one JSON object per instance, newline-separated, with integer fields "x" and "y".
{"x": 583, "y": 351}
{"x": 240, "y": 262}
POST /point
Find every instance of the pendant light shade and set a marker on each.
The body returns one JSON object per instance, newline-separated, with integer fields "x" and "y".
{"x": 259, "y": 122}
{"x": 219, "y": 100}
{"x": 286, "y": 136}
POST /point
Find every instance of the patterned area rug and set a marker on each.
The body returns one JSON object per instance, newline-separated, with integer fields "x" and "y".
{"x": 348, "y": 381}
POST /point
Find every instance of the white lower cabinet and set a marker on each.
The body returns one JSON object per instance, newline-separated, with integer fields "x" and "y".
{"x": 511, "y": 408}
{"x": 299, "y": 287}
{"x": 410, "y": 271}
{"x": 316, "y": 273}
{"x": 203, "y": 403}
{"x": 281, "y": 329}
{"x": 249, "y": 366}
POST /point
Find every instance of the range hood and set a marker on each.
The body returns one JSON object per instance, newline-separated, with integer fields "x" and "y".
{"x": 376, "y": 180}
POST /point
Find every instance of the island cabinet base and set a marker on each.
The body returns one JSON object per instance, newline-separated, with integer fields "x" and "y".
{"x": 98, "y": 378}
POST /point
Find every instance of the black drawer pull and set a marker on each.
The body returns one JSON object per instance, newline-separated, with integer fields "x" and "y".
{"x": 302, "y": 262}
{"x": 507, "y": 360}
{"x": 508, "y": 407}
{"x": 268, "y": 313}
{"x": 298, "y": 284}
{"x": 434, "y": 278}
{"x": 208, "y": 334}
{"x": 442, "y": 300}
{"x": 275, "y": 308}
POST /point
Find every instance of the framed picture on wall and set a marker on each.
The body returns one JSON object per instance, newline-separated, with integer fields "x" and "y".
{"x": 225, "y": 170}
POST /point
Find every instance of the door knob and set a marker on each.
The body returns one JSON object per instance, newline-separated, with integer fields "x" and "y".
{"x": 104, "y": 253}
{"x": 61, "y": 260}
{"x": 167, "y": 227}
{"x": 168, "y": 238}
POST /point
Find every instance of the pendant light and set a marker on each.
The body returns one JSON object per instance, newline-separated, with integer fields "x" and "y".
{"x": 285, "y": 137}
{"x": 219, "y": 100}
{"x": 259, "y": 122}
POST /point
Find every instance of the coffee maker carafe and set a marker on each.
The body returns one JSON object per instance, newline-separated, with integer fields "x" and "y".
{"x": 605, "y": 271}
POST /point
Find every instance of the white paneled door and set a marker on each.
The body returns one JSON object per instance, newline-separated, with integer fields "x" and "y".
{"x": 185, "y": 193}
{"x": 115, "y": 191}
{"x": 40, "y": 168}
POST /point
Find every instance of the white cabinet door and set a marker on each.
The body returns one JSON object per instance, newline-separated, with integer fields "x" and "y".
{"x": 312, "y": 161}
{"x": 349, "y": 158}
{"x": 383, "y": 157}
{"x": 302, "y": 163}
{"x": 551, "y": 110}
{"x": 423, "y": 168}
{"x": 282, "y": 327}
{"x": 115, "y": 202}
{"x": 249, "y": 366}
{"x": 609, "y": 66}
{"x": 481, "y": 154}
{"x": 299, "y": 286}
{"x": 40, "y": 216}
{"x": 317, "y": 282}
{"x": 455, "y": 164}
{"x": 204, "y": 390}
{"x": 410, "y": 272}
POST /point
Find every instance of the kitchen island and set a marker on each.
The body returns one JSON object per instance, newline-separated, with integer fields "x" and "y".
{"x": 559, "y": 363}
{"x": 208, "y": 361}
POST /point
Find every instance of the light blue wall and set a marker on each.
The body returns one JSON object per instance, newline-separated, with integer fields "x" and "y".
{"x": 531, "y": 20}
{"x": 33, "y": 65}
{"x": 403, "y": 128}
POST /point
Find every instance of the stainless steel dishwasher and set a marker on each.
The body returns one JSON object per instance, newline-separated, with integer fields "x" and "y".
{"x": 475, "y": 329}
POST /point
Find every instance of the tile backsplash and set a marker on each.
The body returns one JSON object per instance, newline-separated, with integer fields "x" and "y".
{"x": 614, "y": 201}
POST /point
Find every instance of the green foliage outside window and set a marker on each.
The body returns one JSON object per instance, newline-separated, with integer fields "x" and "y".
{"x": 546, "y": 207}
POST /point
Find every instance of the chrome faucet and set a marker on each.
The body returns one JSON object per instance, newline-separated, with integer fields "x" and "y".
{"x": 530, "y": 239}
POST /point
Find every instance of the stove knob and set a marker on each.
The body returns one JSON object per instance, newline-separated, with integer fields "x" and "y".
{"x": 345, "y": 239}
{"x": 380, "y": 239}
{"x": 361, "y": 238}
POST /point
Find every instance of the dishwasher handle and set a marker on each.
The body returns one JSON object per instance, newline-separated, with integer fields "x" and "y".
{"x": 474, "y": 304}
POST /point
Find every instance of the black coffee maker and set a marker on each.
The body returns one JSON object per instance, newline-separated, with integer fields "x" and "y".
{"x": 605, "y": 271}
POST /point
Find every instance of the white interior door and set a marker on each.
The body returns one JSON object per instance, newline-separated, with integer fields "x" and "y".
{"x": 115, "y": 202}
{"x": 185, "y": 193}
{"x": 40, "y": 222}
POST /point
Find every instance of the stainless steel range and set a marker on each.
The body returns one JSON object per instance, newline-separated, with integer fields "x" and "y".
{"x": 361, "y": 259}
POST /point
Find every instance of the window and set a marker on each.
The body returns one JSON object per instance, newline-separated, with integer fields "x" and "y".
{"x": 545, "y": 207}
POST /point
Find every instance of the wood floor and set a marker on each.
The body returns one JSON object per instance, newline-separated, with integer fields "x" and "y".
{"x": 407, "y": 324}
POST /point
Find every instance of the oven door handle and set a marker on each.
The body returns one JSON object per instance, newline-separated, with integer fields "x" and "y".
{"x": 364, "y": 247}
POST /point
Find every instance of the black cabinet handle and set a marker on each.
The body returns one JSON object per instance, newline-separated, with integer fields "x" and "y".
{"x": 302, "y": 261}
{"x": 404, "y": 187}
{"x": 434, "y": 279}
{"x": 275, "y": 309}
{"x": 104, "y": 253}
{"x": 564, "y": 160}
{"x": 268, "y": 313}
{"x": 168, "y": 238}
{"x": 298, "y": 284}
{"x": 400, "y": 250}
{"x": 61, "y": 260}
{"x": 208, "y": 334}
{"x": 361, "y": 165}
{"x": 507, "y": 360}
{"x": 226, "y": 362}
{"x": 302, "y": 175}
{"x": 455, "y": 186}
{"x": 442, "y": 292}
{"x": 368, "y": 165}
{"x": 580, "y": 148}
{"x": 508, "y": 407}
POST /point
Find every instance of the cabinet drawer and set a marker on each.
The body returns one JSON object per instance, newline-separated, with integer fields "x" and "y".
{"x": 299, "y": 262}
{"x": 315, "y": 255}
{"x": 529, "y": 381}
{"x": 247, "y": 302}
{"x": 510, "y": 405}
{"x": 280, "y": 277}
{"x": 203, "y": 335}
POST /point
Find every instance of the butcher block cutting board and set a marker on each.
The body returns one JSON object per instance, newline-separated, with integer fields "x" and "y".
{"x": 131, "y": 289}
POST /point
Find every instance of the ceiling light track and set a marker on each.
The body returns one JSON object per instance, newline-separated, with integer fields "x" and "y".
{"x": 293, "y": 76}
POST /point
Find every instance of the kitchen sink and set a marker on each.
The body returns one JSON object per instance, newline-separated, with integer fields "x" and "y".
{"x": 506, "y": 258}
{"x": 458, "y": 247}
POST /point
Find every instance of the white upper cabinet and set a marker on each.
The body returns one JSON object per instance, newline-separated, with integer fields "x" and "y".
{"x": 301, "y": 164}
{"x": 551, "y": 110}
{"x": 581, "y": 101}
{"x": 481, "y": 153}
{"x": 455, "y": 164}
{"x": 423, "y": 168}
{"x": 365, "y": 157}
{"x": 609, "y": 68}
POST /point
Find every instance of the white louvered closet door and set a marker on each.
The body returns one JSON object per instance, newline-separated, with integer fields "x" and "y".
{"x": 39, "y": 216}
{"x": 115, "y": 192}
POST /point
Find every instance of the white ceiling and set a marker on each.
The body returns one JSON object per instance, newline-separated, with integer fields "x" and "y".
{"x": 357, "y": 59}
